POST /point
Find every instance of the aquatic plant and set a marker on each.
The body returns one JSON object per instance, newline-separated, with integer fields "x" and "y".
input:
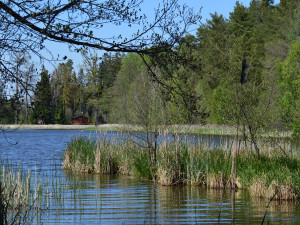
{"x": 273, "y": 175}
{"x": 19, "y": 203}
{"x": 80, "y": 156}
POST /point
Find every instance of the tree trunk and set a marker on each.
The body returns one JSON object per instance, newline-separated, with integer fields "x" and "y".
{"x": 96, "y": 115}
{"x": 26, "y": 107}
{"x": 16, "y": 101}
{"x": 253, "y": 140}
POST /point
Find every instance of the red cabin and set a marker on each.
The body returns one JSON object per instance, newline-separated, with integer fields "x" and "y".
{"x": 80, "y": 120}
{"x": 40, "y": 121}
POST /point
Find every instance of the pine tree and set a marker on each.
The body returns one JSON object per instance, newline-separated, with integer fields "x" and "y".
{"x": 42, "y": 103}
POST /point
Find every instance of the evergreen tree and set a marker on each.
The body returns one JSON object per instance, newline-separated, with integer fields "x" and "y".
{"x": 214, "y": 49}
{"x": 109, "y": 67}
{"x": 59, "y": 114}
{"x": 6, "y": 111}
{"x": 42, "y": 98}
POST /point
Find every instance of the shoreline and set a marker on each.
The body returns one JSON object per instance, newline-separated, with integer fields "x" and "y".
{"x": 205, "y": 129}
{"x": 54, "y": 127}
{"x": 208, "y": 129}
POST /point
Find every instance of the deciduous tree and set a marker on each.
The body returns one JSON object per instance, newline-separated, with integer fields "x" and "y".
{"x": 288, "y": 81}
{"x": 29, "y": 24}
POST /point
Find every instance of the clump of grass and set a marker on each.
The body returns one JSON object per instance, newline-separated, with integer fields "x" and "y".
{"x": 170, "y": 161}
{"x": 80, "y": 155}
{"x": 271, "y": 176}
{"x": 104, "y": 156}
{"x": 141, "y": 166}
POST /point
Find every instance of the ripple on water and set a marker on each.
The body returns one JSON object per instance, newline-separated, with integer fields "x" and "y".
{"x": 95, "y": 199}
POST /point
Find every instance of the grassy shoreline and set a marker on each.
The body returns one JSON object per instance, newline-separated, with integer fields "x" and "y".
{"x": 271, "y": 175}
{"x": 209, "y": 129}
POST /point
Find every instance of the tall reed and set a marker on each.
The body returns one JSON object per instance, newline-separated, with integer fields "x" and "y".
{"x": 18, "y": 200}
{"x": 273, "y": 174}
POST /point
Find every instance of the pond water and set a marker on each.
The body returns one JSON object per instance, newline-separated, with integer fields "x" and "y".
{"x": 97, "y": 199}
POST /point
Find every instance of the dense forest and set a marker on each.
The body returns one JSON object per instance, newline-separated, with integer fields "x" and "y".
{"x": 204, "y": 87}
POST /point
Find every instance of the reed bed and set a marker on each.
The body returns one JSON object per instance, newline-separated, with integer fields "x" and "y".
{"x": 19, "y": 200}
{"x": 273, "y": 175}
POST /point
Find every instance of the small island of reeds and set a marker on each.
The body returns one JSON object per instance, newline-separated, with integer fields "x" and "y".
{"x": 272, "y": 175}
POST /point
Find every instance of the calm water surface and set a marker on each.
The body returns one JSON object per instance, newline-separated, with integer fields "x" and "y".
{"x": 96, "y": 199}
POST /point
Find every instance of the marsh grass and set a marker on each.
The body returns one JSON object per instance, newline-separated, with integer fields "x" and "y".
{"x": 273, "y": 174}
{"x": 81, "y": 155}
{"x": 19, "y": 200}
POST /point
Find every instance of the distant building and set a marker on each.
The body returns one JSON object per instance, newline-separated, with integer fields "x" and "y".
{"x": 80, "y": 120}
{"x": 40, "y": 121}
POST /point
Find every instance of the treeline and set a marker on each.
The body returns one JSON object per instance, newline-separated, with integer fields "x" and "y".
{"x": 59, "y": 96}
{"x": 203, "y": 88}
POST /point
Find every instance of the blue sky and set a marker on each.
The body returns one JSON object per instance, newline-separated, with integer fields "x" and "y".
{"x": 208, "y": 6}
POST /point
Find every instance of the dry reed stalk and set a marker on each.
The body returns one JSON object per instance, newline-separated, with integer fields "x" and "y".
{"x": 281, "y": 191}
{"x": 77, "y": 167}
{"x": 164, "y": 178}
{"x": 196, "y": 178}
{"x": 125, "y": 163}
{"x": 66, "y": 162}
{"x": 124, "y": 169}
{"x": 275, "y": 190}
{"x": 86, "y": 168}
{"x": 193, "y": 165}
{"x": 17, "y": 202}
{"x": 97, "y": 164}
{"x": 233, "y": 183}
{"x": 216, "y": 181}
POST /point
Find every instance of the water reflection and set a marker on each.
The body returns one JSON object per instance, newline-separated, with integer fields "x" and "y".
{"x": 124, "y": 200}
{"x": 95, "y": 199}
